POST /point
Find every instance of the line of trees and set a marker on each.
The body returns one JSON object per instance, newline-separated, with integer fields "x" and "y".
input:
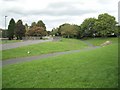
{"x": 16, "y": 29}
{"x": 19, "y": 30}
{"x": 104, "y": 26}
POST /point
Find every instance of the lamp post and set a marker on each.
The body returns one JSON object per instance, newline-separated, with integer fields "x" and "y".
{"x": 5, "y": 25}
{"x": 5, "y": 22}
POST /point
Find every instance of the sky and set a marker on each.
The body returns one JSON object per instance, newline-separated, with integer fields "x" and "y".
{"x": 55, "y": 12}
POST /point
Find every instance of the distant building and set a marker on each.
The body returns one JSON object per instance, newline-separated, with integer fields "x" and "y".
{"x": 0, "y": 33}
{"x": 3, "y": 33}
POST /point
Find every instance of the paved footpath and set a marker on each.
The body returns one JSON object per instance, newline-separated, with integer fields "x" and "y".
{"x": 31, "y": 58}
{"x": 39, "y": 57}
{"x": 23, "y": 43}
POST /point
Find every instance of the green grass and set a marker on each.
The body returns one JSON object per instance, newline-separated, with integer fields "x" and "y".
{"x": 96, "y": 68}
{"x": 9, "y": 41}
{"x": 99, "y": 41}
{"x": 0, "y": 70}
{"x": 0, "y": 77}
{"x": 43, "y": 48}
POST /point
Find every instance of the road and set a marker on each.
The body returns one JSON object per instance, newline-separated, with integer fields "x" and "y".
{"x": 23, "y": 43}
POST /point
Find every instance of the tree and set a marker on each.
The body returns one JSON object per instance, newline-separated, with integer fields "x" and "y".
{"x": 68, "y": 30}
{"x": 105, "y": 25}
{"x": 117, "y": 30}
{"x": 26, "y": 29}
{"x": 33, "y": 24}
{"x": 87, "y": 27}
{"x": 55, "y": 32}
{"x": 41, "y": 24}
{"x": 79, "y": 31}
{"x": 19, "y": 30}
{"x": 37, "y": 31}
{"x": 48, "y": 33}
{"x": 11, "y": 28}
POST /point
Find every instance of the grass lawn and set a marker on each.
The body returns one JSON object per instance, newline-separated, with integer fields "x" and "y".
{"x": 96, "y": 68}
{"x": 99, "y": 41}
{"x": 9, "y": 41}
{"x": 43, "y": 48}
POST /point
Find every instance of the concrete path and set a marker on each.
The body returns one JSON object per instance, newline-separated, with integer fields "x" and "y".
{"x": 31, "y": 58}
{"x": 24, "y": 43}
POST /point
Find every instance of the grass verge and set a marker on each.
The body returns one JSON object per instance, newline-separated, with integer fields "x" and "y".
{"x": 9, "y": 41}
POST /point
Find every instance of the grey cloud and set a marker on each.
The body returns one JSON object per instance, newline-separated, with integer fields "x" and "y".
{"x": 53, "y": 9}
{"x": 68, "y": 11}
{"x": 58, "y": 20}
{"x": 16, "y": 11}
{"x": 9, "y": 0}
{"x": 104, "y": 1}
{"x": 60, "y": 4}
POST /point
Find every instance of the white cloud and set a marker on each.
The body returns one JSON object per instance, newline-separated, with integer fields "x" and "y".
{"x": 55, "y": 12}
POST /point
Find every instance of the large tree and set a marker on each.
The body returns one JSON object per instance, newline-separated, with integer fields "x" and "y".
{"x": 87, "y": 27}
{"x": 68, "y": 30}
{"x": 11, "y": 28}
{"x": 19, "y": 30}
{"x": 41, "y": 24}
{"x": 37, "y": 31}
{"x": 105, "y": 25}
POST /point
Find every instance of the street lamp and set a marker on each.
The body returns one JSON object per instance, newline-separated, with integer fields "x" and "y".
{"x": 5, "y": 22}
{"x": 5, "y": 25}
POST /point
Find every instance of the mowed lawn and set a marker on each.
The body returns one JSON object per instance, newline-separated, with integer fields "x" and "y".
{"x": 9, "y": 41}
{"x": 43, "y": 48}
{"x": 99, "y": 41}
{"x": 96, "y": 68}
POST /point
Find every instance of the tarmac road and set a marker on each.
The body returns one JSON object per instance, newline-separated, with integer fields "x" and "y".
{"x": 23, "y": 43}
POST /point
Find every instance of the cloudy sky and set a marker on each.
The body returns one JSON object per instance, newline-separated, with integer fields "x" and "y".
{"x": 55, "y": 12}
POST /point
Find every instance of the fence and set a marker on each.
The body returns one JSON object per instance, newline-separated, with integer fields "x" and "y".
{"x": 56, "y": 38}
{"x": 31, "y": 38}
{"x": 35, "y": 38}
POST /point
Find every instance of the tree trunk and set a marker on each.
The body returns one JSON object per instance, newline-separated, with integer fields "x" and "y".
{"x": 68, "y": 36}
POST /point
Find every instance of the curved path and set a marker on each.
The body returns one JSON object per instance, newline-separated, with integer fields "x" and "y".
{"x": 31, "y": 58}
{"x": 24, "y": 43}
